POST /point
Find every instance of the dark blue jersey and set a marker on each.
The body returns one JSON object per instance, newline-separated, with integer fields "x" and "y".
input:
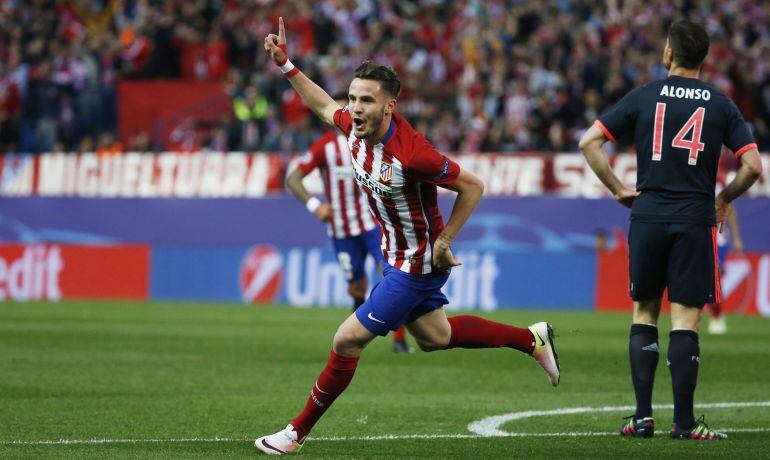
{"x": 679, "y": 126}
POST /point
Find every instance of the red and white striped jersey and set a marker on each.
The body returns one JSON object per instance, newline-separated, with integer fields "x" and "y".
{"x": 399, "y": 176}
{"x": 350, "y": 211}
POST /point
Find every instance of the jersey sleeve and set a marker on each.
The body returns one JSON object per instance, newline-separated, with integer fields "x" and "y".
{"x": 343, "y": 120}
{"x": 620, "y": 118}
{"x": 314, "y": 157}
{"x": 738, "y": 137}
{"x": 430, "y": 166}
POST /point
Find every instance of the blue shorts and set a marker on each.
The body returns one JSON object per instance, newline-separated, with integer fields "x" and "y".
{"x": 401, "y": 298}
{"x": 352, "y": 251}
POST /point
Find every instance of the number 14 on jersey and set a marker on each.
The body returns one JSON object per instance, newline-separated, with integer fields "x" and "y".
{"x": 693, "y": 144}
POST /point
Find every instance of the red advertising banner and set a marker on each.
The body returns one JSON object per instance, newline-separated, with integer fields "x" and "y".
{"x": 249, "y": 175}
{"x": 159, "y": 107}
{"x": 59, "y": 271}
{"x": 745, "y": 283}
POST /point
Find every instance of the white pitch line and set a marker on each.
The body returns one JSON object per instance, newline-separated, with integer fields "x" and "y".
{"x": 486, "y": 427}
{"x": 60, "y": 442}
{"x": 490, "y": 426}
{"x": 509, "y": 435}
{"x": 387, "y": 437}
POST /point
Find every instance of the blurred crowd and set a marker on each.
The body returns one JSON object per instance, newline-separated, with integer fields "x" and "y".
{"x": 493, "y": 75}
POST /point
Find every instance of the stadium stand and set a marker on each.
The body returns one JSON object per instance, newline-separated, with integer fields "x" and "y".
{"x": 503, "y": 76}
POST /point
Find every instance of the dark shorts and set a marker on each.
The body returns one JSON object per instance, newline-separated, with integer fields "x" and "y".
{"x": 401, "y": 298}
{"x": 678, "y": 256}
{"x": 352, "y": 251}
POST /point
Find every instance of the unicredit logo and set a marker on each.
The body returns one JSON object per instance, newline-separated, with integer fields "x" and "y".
{"x": 35, "y": 275}
{"x": 261, "y": 274}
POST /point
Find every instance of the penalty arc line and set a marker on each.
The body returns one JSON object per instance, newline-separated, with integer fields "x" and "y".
{"x": 487, "y": 427}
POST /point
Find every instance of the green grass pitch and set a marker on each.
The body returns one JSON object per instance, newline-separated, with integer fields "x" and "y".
{"x": 135, "y": 380}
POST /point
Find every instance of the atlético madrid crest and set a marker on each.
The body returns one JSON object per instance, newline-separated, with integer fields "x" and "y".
{"x": 386, "y": 172}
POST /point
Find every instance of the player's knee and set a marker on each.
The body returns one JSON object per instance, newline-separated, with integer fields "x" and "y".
{"x": 647, "y": 311}
{"x": 348, "y": 343}
{"x": 690, "y": 323}
{"x": 685, "y": 317}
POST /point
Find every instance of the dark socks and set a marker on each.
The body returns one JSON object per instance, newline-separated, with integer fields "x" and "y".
{"x": 643, "y": 353}
{"x": 684, "y": 359}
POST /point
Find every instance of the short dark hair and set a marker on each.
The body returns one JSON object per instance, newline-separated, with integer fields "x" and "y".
{"x": 370, "y": 70}
{"x": 689, "y": 42}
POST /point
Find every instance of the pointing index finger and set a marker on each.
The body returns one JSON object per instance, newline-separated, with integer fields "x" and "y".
{"x": 281, "y": 31}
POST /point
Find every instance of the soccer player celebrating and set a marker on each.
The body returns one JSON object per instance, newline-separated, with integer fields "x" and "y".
{"x": 350, "y": 224}
{"x": 398, "y": 170}
{"x": 679, "y": 125}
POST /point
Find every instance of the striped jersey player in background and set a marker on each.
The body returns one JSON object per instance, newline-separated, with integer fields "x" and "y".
{"x": 729, "y": 240}
{"x": 351, "y": 227}
{"x": 679, "y": 125}
{"x": 398, "y": 170}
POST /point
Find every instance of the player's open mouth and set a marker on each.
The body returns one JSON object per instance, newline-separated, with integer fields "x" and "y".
{"x": 358, "y": 122}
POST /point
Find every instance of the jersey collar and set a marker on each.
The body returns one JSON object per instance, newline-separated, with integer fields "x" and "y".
{"x": 391, "y": 130}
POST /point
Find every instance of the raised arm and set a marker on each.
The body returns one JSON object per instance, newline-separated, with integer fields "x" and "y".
{"x": 591, "y": 145}
{"x": 312, "y": 95}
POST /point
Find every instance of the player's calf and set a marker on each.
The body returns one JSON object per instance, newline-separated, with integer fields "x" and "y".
{"x": 428, "y": 345}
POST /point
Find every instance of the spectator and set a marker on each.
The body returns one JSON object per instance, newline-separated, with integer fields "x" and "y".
{"x": 250, "y": 110}
{"x": 507, "y": 75}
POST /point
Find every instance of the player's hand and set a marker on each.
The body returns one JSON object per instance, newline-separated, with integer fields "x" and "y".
{"x": 324, "y": 212}
{"x": 626, "y": 196}
{"x": 275, "y": 45}
{"x": 723, "y": 210}
{"x": 443, "y": 259}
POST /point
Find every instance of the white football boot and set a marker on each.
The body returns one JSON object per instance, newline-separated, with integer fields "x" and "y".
{"x": 545, "y": 352}
{"x": 283, "y": 442}
{"x": 718, "y": 326}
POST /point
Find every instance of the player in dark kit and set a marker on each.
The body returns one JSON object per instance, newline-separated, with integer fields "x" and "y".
{"x": 679, "y": 125}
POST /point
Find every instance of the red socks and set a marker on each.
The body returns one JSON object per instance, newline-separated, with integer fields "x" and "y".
{"x": 475, "y": 332}
{"x": 467, "y": 332}
{"x": 332, "y": 381}
{"x": 399, "y": 334}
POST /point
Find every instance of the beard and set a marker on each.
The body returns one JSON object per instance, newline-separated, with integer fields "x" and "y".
{"x": 372, "y": 123}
